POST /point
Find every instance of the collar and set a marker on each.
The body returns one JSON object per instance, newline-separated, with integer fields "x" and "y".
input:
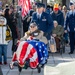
{"x": 72, "y": 12}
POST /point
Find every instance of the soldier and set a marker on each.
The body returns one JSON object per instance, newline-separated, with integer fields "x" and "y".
{"x": 43, "y": 20}
{"x": 70, "y": 23}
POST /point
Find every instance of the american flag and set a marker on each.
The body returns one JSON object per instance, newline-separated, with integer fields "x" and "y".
{"x": 35, "y": 51}
{"x": 26, "y": 51}
{"x": 25, "y": 4}
{"x": 41, "y": 49}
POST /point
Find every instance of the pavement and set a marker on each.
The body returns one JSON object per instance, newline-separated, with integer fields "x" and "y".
{"x": 54, "y": 59}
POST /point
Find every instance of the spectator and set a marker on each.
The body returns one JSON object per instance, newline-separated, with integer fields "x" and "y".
{"x": 48, "y": 9}
{"x": 19, "y": 21}
{"x": 57, "y": 33}
{"x": 3, "y": 42}
{"x": 60, "y": 7}
{"x": 64, "y": 10}
{"x": 27, "y": 18}
{"x": 58, "y": 15}
{"x": 11, "y": 22}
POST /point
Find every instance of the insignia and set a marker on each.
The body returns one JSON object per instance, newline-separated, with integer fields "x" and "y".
{"x": 44, "y": 19}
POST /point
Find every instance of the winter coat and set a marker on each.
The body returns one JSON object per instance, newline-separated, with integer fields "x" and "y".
{"x": 36, "y": 35}
{"x": 59, "y": 31}
{"x": 58, "y": 17}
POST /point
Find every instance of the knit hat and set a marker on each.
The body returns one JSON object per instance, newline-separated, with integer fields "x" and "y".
{"x": 56, "y": 7}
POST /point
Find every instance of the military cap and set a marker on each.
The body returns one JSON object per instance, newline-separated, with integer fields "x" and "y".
{"x": 71, "y": 3}
{"x": 39, "y": 5}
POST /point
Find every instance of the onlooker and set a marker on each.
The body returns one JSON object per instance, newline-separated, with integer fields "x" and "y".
{"x": 48, "y": 9}
{"x": 3, "y": 42}
{"x": 18, "y": 13}
{"x": 57, "y": 15}
{"x": 27, "y": 19}
{"x": 64, "y": 10}
{"x": 11, "y": 22}
{"x": 70, "y": 24}
{"x": 57, "y": 33}
{"x": 60, "y": 7}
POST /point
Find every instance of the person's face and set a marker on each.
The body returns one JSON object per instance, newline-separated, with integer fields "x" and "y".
{"x": 55, "y": 24}
{"x": 60, "y": 8}
{"x": 33, "y": 28}
{"x": 72, "y": 7}
{"x": 55, "y": 11}
{"x": 40, "y": 10}
{"x": 65, "y": 9}
{"x": 10, "y": 11}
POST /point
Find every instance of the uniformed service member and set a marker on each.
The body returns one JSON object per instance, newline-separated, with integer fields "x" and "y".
{"x": 70, "y": 24}
{"x": 43, "y": 20}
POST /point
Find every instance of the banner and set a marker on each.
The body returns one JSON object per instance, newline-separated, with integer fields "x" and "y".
{"x": 25, "y": 5}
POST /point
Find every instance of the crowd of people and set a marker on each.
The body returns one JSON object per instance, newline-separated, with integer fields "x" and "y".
{"x": 57, "y": 22}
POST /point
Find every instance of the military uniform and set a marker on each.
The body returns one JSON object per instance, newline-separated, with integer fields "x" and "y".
{"x": 44, "y": 23}
{"x": 43, "y": 20}
{"x": 70, "y": 23}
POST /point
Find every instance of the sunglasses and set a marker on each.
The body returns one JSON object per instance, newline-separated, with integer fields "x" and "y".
{"x": 32, "y": 26}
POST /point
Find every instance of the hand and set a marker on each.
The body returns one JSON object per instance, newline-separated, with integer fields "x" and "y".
{"x": 54, "y": 35}
{"x": 65, "y": 31}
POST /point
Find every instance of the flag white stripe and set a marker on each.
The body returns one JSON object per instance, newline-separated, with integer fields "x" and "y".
{"x": 34, "y": 57}
{"x": 19, "y": 49}
{"x": 28, "y": 51}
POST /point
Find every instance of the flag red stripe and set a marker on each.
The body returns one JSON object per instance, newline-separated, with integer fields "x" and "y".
{"x": 25, "y": 4}
{"x": 23, "y": 52}
{"x": 34, "y": 64}
{"x": 32, "y": 51}
{"x": 14, "y": 57}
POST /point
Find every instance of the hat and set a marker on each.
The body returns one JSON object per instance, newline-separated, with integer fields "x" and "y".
{"x": 56, "y": 7}
{"x": 33, "y": 24}
{"x": 39, "y": 5}
{"x": 48, "y": 6}
{"x": 6, "y": 5}
{"x": 71, "y": 3}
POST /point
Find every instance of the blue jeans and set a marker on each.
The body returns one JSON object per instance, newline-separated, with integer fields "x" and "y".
{"x": 3, "y": 51}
